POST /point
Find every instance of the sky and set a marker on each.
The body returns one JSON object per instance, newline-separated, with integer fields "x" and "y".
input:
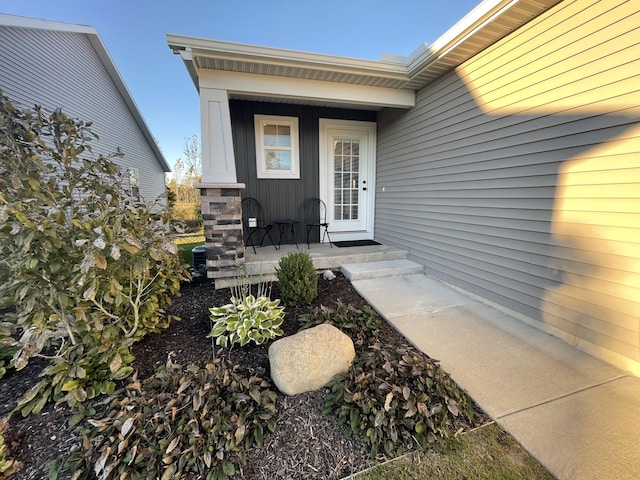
{"x": 134, "y": 32}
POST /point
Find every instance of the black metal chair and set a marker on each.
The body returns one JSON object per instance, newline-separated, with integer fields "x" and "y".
{"x": 254, "y": 224}
{"x": 315, "y": 215}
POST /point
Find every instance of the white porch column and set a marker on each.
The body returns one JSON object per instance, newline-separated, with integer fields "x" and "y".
{"x": 218, "y": 159}
{"x": 220, "y": 194}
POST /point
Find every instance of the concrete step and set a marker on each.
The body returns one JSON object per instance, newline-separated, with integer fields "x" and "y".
{"x": 267, "y": 261}
{"x": 263, "y": 264}
{"x": 381, "y": 269}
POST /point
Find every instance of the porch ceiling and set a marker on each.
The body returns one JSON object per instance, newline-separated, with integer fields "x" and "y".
{"x": 487, "y": 23}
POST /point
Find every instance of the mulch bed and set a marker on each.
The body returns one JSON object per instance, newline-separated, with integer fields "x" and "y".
{"x": 305, "y": 445}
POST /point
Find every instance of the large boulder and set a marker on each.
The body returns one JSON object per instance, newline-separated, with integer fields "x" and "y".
{"x": 307, "y": 360}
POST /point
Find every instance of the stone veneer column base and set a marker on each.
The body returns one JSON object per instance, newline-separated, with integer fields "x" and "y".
{"x": 222, "y": 215}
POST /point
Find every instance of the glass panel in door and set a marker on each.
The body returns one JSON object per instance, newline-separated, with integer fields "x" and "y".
{"x": 346, "y": 162}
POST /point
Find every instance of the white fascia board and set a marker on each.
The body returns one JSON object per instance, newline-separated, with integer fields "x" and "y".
{"x": 474, "y": 21}
{"x": 312, "y": 90}
{"x": 26, "y": 22}
{"x": 396, "y": 67}
{"x": 281, "y": 56}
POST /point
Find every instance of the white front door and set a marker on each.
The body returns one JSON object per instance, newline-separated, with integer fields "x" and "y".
{"x": 347, "y": 176}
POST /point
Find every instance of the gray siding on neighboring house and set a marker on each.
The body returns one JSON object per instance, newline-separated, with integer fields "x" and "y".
{"x": 517, "y": 176}
{"x": 62, "y": 69}
{"x": 281, "y": 199}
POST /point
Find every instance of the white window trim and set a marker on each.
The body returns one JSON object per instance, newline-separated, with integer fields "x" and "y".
{"x": 262, "y": 171}
{"x": 133, "y": 179}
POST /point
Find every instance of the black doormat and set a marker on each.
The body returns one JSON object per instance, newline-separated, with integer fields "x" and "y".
{"x": 355, "y": 243}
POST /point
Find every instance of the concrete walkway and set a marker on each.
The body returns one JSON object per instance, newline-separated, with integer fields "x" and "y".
{"x": 579, "y": 416}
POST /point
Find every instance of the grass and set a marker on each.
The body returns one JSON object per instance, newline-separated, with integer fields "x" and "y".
{"x": 487, "y": 453}
{"x": 186, "y": 244}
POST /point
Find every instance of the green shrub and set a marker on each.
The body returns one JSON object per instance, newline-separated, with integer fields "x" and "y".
{"x": 297, "y": 279}
{"x": 397, "y": 398}
{"x": 8, "y": 346}
{"x": 87, "y": 268}
{"x": 363, "y": 325}
{"x": 245, "y": 320}
{"x": 179, "y": 423}
{"x": 7, "y": 465}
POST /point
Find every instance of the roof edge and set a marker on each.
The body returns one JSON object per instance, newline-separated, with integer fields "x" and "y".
{"x": 110, "y": 65}
{"x": 188, "y": 47}
{"x": 107, "y": 61}
{"x": 482, "y": 15}
{"x": 410, "y": 69}
{"x": 28, "y": 22}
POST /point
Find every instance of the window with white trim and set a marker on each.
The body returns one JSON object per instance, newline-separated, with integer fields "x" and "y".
{"x": 277, "y": 154}
{"x": 134, "y": 186}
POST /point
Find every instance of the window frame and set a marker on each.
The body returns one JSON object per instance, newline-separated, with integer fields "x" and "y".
{"x": 293, "y": 172}
{"x": 134, "y": 183}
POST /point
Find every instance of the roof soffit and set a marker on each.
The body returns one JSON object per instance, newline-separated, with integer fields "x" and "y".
{"x": 468, "y": 38}
{"x": 232, "y": 57}
{"x": 490, "y": 21}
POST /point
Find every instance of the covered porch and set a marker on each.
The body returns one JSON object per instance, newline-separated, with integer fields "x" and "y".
{"x": 263, "y": 263}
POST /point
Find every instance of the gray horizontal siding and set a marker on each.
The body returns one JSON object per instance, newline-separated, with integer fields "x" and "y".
{"x": 58, "y": 69}
{"x": 517, "y": 176}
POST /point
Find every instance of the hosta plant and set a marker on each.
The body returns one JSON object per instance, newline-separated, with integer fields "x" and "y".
{"x": 179, "y": 423}
{"x": 247, "y": 319}
{"x": 85, "y": 269}
{"x": 397, "y": 399}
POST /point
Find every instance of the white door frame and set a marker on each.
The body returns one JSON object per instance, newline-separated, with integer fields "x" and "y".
{"x": 327, "y": 128}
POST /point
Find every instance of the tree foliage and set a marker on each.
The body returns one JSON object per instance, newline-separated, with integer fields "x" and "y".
{"x": 84, "y": 269}
{"x": 185, "y": 199}
{"x": 186, "y": 172}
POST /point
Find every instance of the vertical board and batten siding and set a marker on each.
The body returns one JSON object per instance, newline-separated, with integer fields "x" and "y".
{"x": 517, "y": 176}
{"x": 61, "y": 69}
{"x": 282, "y": 198}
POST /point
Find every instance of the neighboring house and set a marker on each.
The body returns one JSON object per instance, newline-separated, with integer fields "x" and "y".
{"x": 60, "y": 65}
{"x": 505, "y": 157}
